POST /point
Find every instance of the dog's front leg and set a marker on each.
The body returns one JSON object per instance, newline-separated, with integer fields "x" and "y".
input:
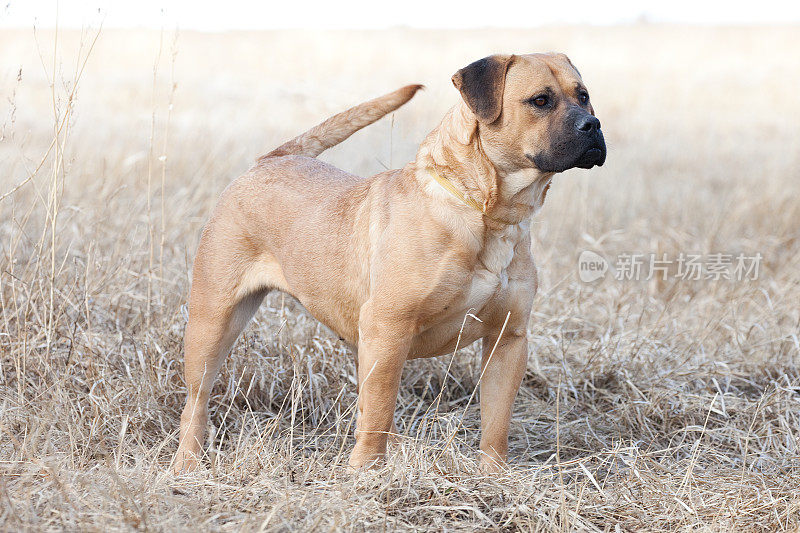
{"x": 382, "y": 351}
{"x": 503, "y": 368}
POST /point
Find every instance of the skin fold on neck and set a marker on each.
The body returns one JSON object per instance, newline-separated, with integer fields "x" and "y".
{"x": 455, "y": 151}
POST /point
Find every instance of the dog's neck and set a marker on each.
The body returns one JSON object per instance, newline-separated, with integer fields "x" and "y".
{"x": 454, "y": 150}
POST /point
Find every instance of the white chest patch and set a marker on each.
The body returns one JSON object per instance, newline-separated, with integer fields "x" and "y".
{"x": 497, "y": 254}
{"x": 490, "y": 274}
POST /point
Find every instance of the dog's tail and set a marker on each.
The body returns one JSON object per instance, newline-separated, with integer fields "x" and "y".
{"x": 339, "y": 127}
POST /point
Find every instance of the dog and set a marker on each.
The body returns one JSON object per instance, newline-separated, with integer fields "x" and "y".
{"x": 394, "y": 263}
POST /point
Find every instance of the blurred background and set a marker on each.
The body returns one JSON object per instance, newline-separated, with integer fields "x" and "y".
{"x": 362, "y": 14}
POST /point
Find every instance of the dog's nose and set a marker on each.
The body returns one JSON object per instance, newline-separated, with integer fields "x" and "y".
{"x": 588, "y": 123}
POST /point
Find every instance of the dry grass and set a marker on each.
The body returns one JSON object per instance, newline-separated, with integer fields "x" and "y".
{"x": 646, "y": 406}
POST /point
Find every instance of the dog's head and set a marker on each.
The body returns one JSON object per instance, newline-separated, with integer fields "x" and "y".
{"x": 532, "y": 111}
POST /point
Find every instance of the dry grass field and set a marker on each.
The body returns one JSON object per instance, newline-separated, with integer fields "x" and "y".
{"x": 648, "y": 405}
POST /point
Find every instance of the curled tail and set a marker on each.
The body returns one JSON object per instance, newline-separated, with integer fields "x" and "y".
{"x": 341, "y": 126}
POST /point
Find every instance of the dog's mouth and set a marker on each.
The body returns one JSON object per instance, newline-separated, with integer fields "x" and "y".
{"x": 594, "y": 156}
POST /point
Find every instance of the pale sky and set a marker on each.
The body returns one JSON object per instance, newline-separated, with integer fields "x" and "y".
{"x": 253, "y": 15}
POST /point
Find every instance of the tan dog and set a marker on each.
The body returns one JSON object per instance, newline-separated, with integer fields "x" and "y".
{"x": 395, "y": 262}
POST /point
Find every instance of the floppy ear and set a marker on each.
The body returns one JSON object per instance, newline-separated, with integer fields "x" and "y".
{"x": 481, "y": 84}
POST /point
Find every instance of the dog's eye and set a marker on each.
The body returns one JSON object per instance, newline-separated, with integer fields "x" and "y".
{"x": 583, "y": 98}
{"x": 540, "y": 101}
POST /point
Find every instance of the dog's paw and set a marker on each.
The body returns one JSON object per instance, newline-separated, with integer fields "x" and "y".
{"x": 366, "y": 460}
{"x": 184, "y": 463}
{"x": 491, "y": 465}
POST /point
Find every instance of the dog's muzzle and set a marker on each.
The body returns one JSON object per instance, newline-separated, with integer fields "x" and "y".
{"x": 588, "y": 127}
{"x": 580, "y": 144}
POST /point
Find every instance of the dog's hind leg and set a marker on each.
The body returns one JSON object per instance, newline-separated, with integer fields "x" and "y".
{"x": 209, "y": 338}
{"x": 222, "y": 302}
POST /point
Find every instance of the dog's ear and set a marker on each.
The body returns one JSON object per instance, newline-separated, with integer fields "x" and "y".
{"x": 481, "y": 84}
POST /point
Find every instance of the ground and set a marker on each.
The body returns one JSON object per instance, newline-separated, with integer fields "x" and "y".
{"x": 655, "y": 404}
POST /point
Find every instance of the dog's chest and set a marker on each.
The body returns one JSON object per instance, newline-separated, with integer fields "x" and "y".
{"x": 490, "y": 274}
{"x": 489, "y": 294}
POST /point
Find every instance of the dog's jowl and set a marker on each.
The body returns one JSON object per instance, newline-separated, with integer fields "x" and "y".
{"x": 394, "y": 262}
